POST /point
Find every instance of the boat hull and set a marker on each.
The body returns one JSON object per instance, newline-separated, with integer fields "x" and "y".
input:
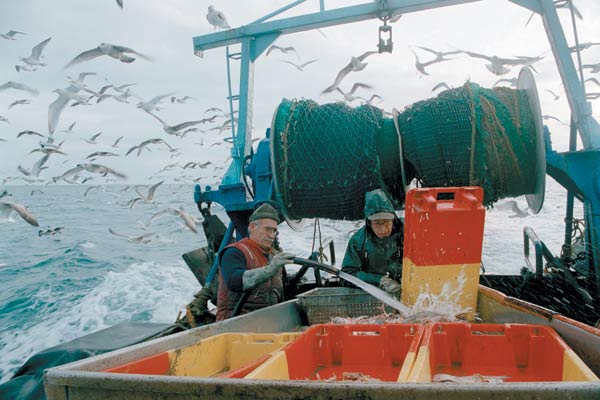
{"x": 85, "y": 380}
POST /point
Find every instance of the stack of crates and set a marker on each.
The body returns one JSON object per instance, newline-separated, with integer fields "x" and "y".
{"x": 443, "y": 237}
{"x": 416, "y": 353}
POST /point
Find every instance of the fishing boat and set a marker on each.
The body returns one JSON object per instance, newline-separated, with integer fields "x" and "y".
{"x": 544, "y": 348}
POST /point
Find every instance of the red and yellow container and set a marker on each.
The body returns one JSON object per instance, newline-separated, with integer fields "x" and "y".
{"x": 231, "y": 355}
{"x": 443, "y": 237}
{"x": 518, "y": 352}
{"x": 329, "y": 352}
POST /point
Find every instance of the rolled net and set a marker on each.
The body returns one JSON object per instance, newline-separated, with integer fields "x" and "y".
{"x": 325, "y": 157}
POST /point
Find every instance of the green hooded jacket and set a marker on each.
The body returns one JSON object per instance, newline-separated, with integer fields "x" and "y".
{"x": 368, "y": 257}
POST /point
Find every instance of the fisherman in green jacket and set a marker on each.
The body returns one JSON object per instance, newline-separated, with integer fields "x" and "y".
{"x": 374, "y": 252}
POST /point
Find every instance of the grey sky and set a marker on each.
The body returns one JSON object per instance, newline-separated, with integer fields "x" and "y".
{"x": 164, "y": 31}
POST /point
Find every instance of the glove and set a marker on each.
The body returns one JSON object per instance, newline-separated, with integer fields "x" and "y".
{"x": 390, "y": 286}
{"x": 254, "y": 277}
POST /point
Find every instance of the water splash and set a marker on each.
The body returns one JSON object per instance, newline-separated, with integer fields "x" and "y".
{"x": 446, "y": 302}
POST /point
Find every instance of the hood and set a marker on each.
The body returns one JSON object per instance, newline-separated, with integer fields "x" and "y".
{"x": 377, "y": 201}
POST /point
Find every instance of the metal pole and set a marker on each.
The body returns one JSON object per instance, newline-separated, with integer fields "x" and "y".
{"x": 570, "y": 197}
{"x": 279, "y": 11}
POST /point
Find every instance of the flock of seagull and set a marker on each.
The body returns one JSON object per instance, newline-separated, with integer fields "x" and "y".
{"x": 79, "y": 92}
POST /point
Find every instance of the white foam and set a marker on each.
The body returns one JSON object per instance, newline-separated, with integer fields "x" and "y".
{"x": 146, "y": 292}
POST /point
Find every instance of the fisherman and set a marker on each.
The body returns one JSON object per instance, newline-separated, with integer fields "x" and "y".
{"x": 250, "y": 275}
{"x": 374, "y": 252}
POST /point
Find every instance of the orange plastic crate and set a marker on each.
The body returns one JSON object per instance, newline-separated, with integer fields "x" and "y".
{"x": 520, "y": 352}
{"x": 385, "y": 352}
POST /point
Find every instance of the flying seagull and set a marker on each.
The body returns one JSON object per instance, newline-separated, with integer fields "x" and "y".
{"x": 299, "y": 67}
{"x": 10, "y": 35}
{"x": 512, "y": 205}
{"x": 36, "y": 53}
{"x": 6, "y": 208}
{"x": 217, "y": 19}
{"x": 143, "y": 239}
{"x": 18, "y": 102}
{"x": 349, "y": 96}
{"x": 355, "y": 64}
{"x": 18, "y": 86}
{"x": 284, "y": 50}
{"x": 498, "y": 65}
{"x": 107, "y": 49}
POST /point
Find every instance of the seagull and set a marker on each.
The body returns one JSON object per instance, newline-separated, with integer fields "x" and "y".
{"x": 583, "y": 46}
{"x": 120, "y": 4}
{"x": 592, "y": 96}
{"x": 300, "y": 67}
{"x": 149, "y": 198}
{"x": 107, "y": 49}
{"x": 355, "y": 64}
{"x": 116, "y": 143}
{"x": 6, "y": 208}
{"x": 213, "y": 109}
{"x": 33, "y": 133}
{"x": 143, "y": 239}
{"x": 58, "y": 105}
{"x": 90, "y": 188}
{"x": 556, "y": 96}
{"x": 94, "y": 168}
{"x": 25, "y": 67}
{"x": 151, "y": 105}
{"x": 284, "y": 50}
{"x": 440, "y": 57}
{"x": 36, "y": 53}
{"x": 189, "y": 221}
{"x": 349, "y": 97}
{"x": 182, "y": 100}
{"x": 512, "y": 205}
{"x": 3, "y": 119}
{"x": 19, "y": 86}
{"x": 37, "y": 167}
{"x": 594, "y": 68}
{"x": 593, "y": 80}
{"x": 511, "y": 81}
{"x": 102, "y": 154}
{"x": 145, "y": 143}
{"x": 92, "y": 140}
{"x": 70, "y": 128}
{"x": 441, "y": 85}
{"x": 19, "y": 102}
{"x": 175, "y": 129}
{"x": 497, "y": 65}
{"x": 10, "y": 35}
{"x": 217, "y": 19}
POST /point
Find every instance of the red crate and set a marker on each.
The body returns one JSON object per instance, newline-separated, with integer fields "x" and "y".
{"x": 385, "y": 352}
{"x": 444, "y": 225}
{"x": 519, "y": 352}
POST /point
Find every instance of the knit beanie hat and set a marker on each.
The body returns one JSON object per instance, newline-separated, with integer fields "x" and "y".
{"x": 265, "y": 211}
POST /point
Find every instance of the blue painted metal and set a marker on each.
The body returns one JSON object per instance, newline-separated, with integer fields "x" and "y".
{"x": 215, "y": 265}
{"x": 321, "y": 19}
{"x": 589, "y": 130}
{"x": 579, "y": 172}
{"x": 571, "y": 169}
{"x": 259, "y": 170}
{"x": 278, "y": 11}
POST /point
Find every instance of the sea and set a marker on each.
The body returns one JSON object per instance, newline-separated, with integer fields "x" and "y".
{"x": 55, "y": 288}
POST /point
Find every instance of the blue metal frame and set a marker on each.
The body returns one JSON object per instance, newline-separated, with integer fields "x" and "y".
{"x": 572, "y": 169}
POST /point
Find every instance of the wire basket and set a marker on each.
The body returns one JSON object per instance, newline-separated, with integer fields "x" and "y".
{"x": 323, "y": 304}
